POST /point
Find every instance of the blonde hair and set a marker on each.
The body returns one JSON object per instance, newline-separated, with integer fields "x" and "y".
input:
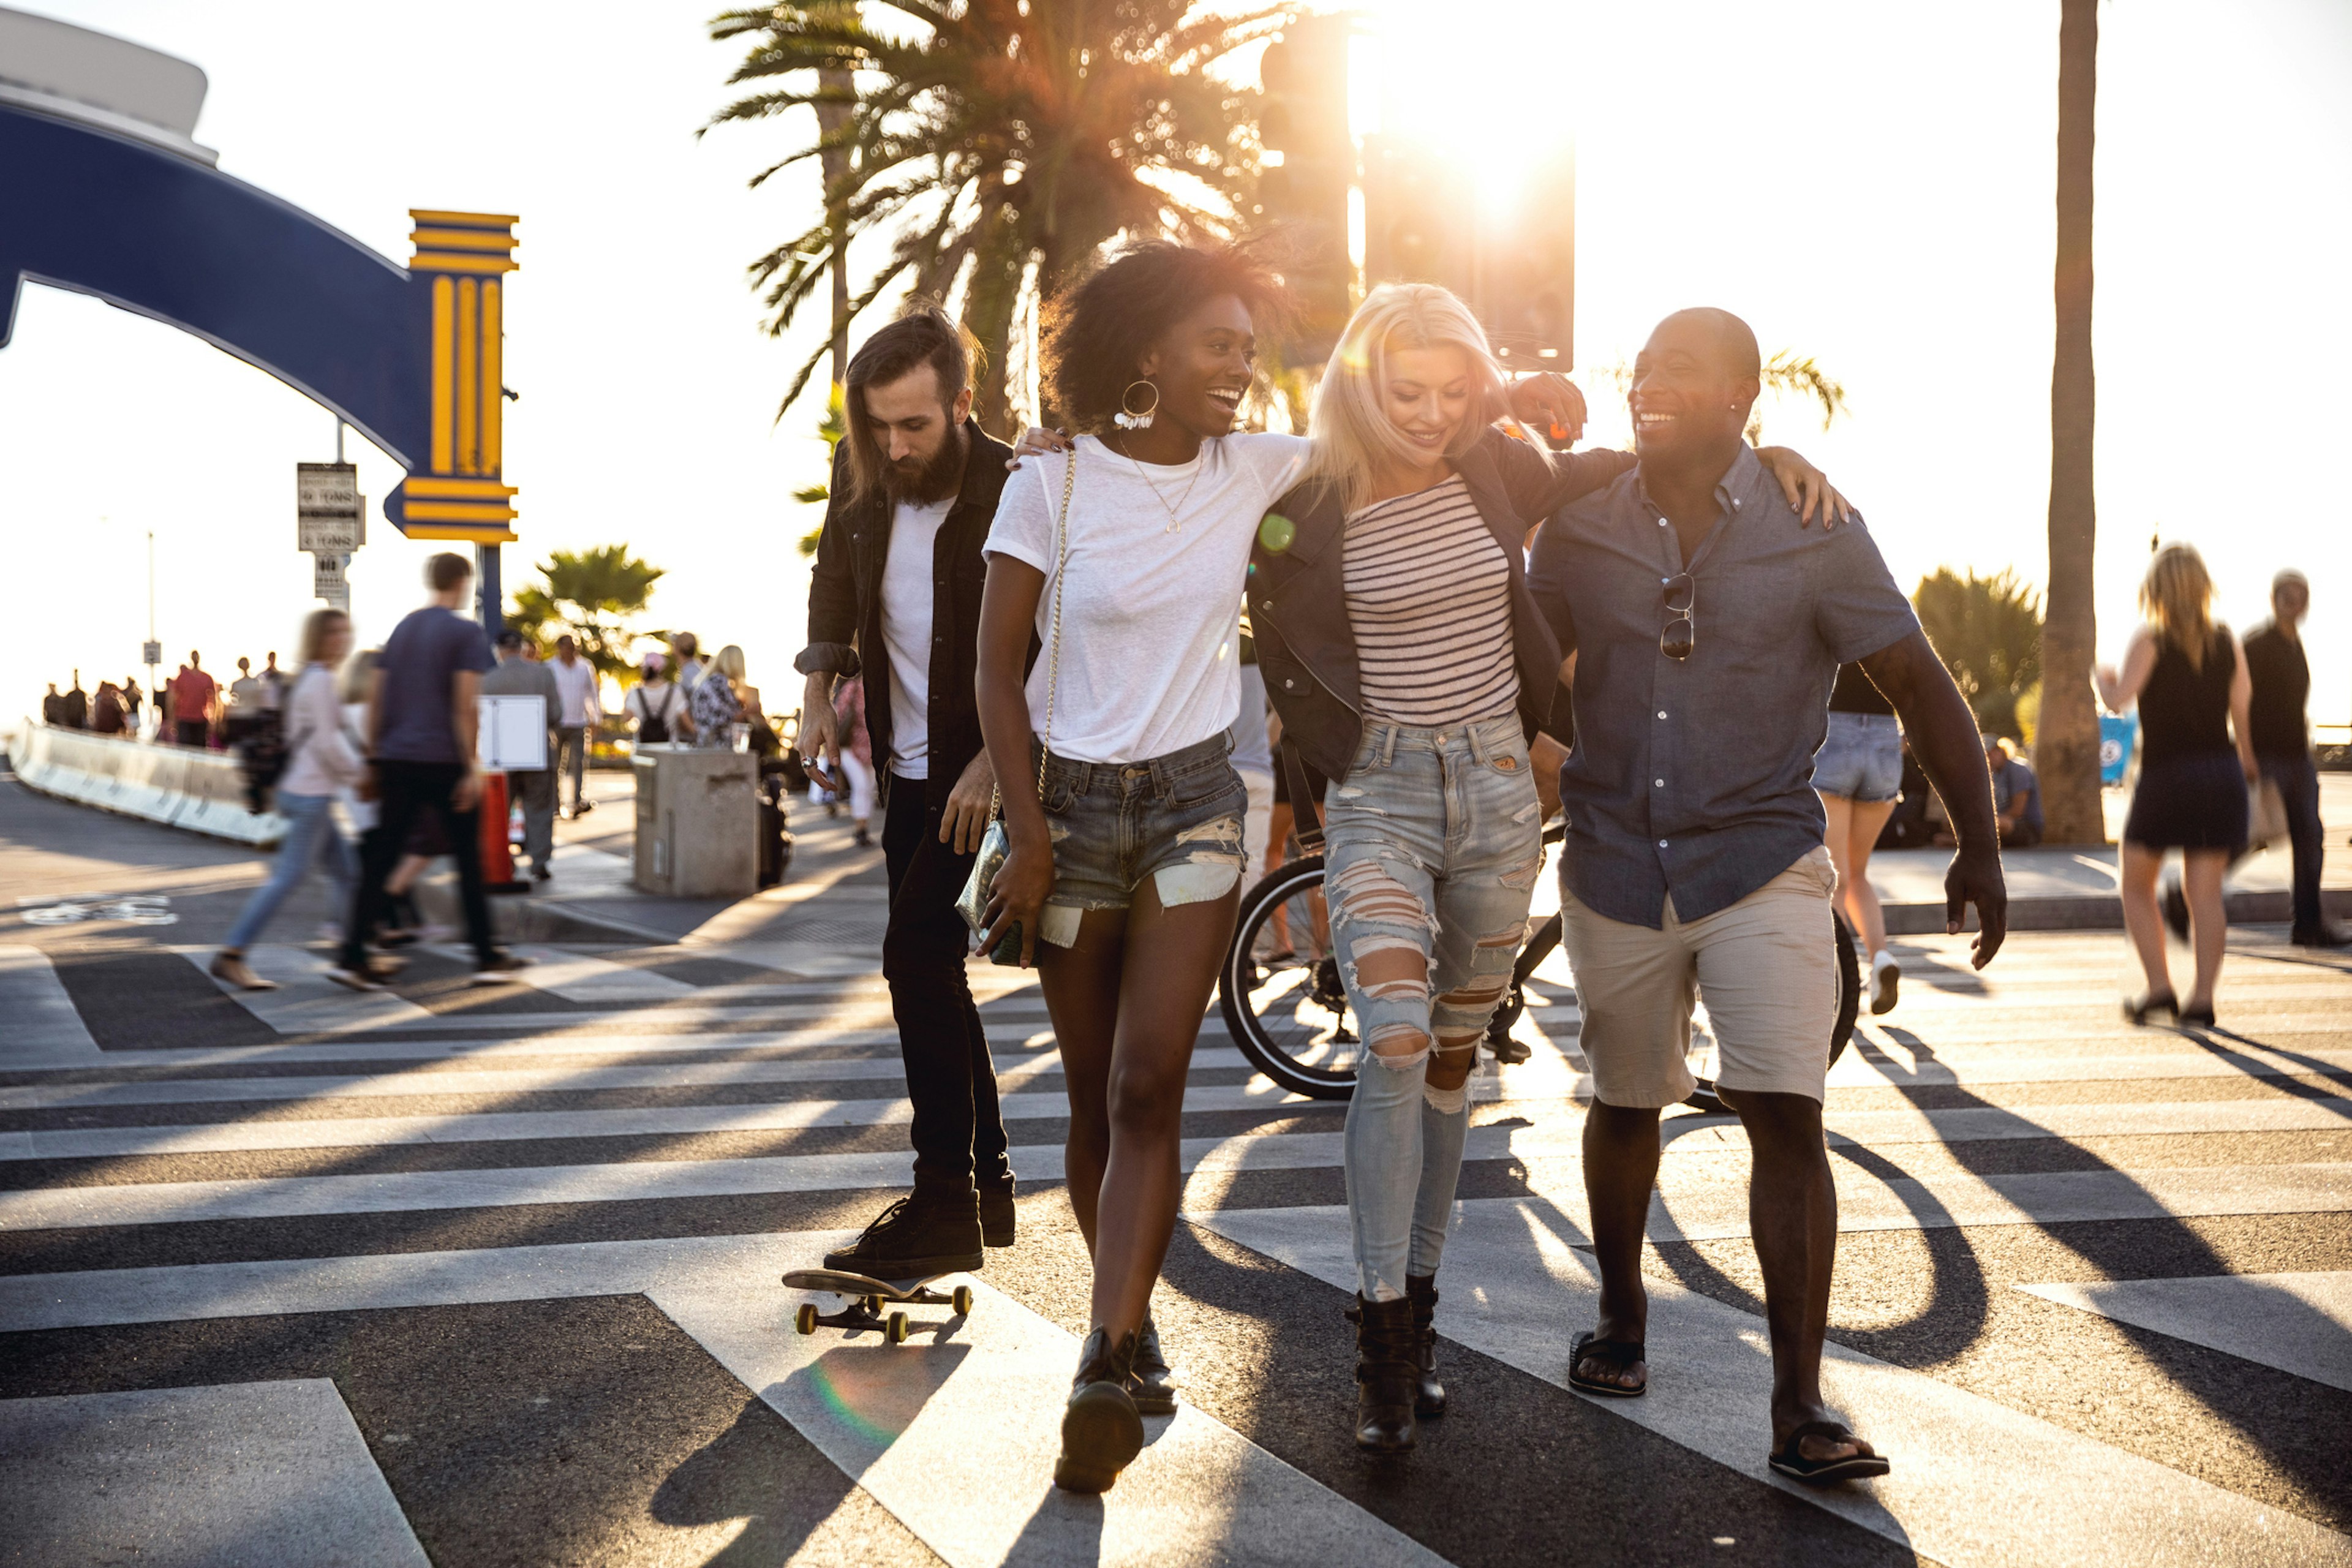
{"x": 317, "y": 626}
{"x": 2177, "y": 596}
{"x": 359, "y": 670}
{"x": 1350, "y": 436}
{"x": 730, "y": 662}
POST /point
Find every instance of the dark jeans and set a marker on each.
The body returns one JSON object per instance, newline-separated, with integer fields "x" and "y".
{"x": 403, "y": 789}
{"x": 2298, "y": 786}
{"x": 958, "y": 1131}
{"x": 192, "y": 733}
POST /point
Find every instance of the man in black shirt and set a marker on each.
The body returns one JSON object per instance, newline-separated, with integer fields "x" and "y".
{"x": 895, "y": 597}
{"x": 2282, "y": 741}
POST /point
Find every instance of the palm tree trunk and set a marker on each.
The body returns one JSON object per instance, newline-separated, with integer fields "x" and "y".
{"x": 2067, "y": 745}
{"x": 835, "y": 163}
{"x": 990, "y": 303}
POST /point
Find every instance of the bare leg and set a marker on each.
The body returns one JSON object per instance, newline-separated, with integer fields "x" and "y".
{"x": 2208, "y": 923}
{"x": 1853, "y": 872}
{"x": 2141, "y": 918}
{"x": 1172, "y": 955}
{"x": 1081, "y": 986}
{"x": 1620, "y": 1167}
{"x": 1793, "y": 1211}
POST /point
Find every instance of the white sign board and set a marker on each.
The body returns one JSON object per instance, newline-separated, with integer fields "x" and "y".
{"x": 510, "y": 736}
{"x": 329, "y": 513}
{"x": 151, "y": 652}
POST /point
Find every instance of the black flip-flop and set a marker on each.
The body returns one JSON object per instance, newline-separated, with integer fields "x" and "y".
{"x": 1618, "y": 1355}
{"x": 1789, "y": 1460}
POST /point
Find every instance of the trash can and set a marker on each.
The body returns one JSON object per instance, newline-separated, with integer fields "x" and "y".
{"x": 698, "y": 820}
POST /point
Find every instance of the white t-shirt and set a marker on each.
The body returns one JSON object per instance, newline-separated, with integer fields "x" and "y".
{"x": 1150, "y": 612}
{"x": 906, "y": 603}
{"x": 576, "y": 688}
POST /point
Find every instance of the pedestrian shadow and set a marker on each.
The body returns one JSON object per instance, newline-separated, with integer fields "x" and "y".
{"x": 2160, "y": 1246}
{"x": 759, "y": 1470}
{"x": 2209, "y": 1039}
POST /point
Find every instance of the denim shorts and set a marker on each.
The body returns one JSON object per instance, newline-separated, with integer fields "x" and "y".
{"x": 1176, "y": 819}
{"x": 1862, "y": 758}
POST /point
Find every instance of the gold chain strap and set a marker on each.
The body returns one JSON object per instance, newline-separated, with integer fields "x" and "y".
{"x": 1054, "y": 645}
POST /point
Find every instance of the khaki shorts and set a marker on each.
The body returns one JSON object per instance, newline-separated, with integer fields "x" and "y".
{"x": 1766, "y": 966}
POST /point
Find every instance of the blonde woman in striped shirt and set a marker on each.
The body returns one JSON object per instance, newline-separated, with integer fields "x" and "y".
{"x": 1413, "y": 670}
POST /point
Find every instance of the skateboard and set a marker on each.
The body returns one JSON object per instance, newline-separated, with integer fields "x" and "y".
{"x": 863, "y": 1298}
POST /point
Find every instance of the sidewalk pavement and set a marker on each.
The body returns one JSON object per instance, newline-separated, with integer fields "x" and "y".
{"x": 591, "y": 900}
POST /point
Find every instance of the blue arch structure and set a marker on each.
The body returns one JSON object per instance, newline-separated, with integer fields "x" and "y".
{"x": 412, "y": 356}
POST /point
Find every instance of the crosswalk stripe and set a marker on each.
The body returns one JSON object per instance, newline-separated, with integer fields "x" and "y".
{"x": 43, "y": 1026}
{"x": 306, "y": 1002}
{"x": 1974, "y": 1482}
{"x": 2299, "y": 1323}
{"x": 1685, "y": 1135}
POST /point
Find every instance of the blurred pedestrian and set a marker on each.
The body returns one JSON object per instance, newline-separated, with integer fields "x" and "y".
{"x": 857, "y": 742}
{"x": 685, "y": 669}
{"x": 656, "y": 706}
{"x": 75, "y": 708}
{"x": 273, "y": 684}
{"x": 2281, "y": 740}
{"x": 710, "y": 704}
{"x": 131, "y": 699}
{"x": 577, "y": 710}
{"x": 242, "y": 711}
{"x": 106, "y": 714}
{"x": 1858, "y": 774}
{"x": 194, "y": 695}
{"x": 2196, "y": 759}
{"x": 53, "y": 707}
{"x": 422, "y": 760}
{"x": 2016, "y": 794}
{"x": 533, "y": 789}
{"x": 320, "y": 765}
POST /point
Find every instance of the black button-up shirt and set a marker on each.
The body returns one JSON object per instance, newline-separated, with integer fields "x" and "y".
{"x": 1694, "y": 777}
{"x": 2282, "y": 678}
{"x": 844, "y": 614}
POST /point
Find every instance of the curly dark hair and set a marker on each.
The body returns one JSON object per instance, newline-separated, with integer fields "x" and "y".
{"x": 1098, "y": 329}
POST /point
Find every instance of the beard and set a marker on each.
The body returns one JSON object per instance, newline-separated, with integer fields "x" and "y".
{"x": 921, "y": 483}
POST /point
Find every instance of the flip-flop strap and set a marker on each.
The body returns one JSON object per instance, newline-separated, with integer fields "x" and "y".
{"x": 1828, "y": 1431}
{"x": 1619, "y": 1354}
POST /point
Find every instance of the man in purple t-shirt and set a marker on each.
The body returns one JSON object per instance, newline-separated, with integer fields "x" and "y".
{"x": 421, "y": 757}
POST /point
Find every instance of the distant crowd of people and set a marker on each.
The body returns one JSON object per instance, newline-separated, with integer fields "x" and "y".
{"x": 192, "y": 708}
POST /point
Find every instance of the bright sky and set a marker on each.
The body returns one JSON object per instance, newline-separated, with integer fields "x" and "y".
{"x": 1865, "y": 183}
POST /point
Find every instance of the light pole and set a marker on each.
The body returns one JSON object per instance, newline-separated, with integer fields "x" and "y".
{"x": 155, "y": 698}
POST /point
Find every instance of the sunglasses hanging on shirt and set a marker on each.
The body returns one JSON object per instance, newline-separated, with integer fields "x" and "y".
{"x": 1681, "y": 635}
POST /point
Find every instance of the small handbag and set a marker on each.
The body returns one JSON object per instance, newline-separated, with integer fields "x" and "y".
{"x": 2265, "y": 814}
{"x": 996, "y": 845}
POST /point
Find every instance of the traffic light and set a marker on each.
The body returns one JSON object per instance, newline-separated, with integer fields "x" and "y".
{"x": 1527, "y": 287}
{"x": 1308, "y": 166}
{"x": 1419, "y": 218}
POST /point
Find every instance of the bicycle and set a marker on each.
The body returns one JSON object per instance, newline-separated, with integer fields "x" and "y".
{"x": 1284, "y": 1004}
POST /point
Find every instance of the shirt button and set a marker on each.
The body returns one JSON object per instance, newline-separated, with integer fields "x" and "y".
{"x": 1661, "y": 844}
{"x": 1734, "y": 504}
{"x": 1661, "y": 522}
{"x": 1661, "y": 712}
{"x": 1658, "y": 783}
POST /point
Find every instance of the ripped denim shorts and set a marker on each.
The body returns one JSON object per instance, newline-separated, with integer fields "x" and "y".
{"x": 1176, "y": 819}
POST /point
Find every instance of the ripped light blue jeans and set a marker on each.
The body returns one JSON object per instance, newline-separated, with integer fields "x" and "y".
{"x": 1432, "y": 844}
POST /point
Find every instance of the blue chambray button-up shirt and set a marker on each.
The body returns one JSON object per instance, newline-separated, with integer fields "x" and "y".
{"x": 1694, "y": 777}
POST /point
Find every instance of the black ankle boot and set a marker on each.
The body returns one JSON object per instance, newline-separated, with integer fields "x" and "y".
{"x": 1386, "y": 1377}
{"x": 1429, "y": 1396}
{"x": 1101, "y": 1433}
{"x": 1152, "y": 1382}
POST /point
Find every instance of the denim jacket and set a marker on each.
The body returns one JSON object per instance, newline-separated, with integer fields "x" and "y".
{"x": 1299, "y": 599}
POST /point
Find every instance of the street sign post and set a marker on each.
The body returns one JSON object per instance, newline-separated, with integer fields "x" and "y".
{"x": 331, "y": 523}
{"x": 151, "y": 652}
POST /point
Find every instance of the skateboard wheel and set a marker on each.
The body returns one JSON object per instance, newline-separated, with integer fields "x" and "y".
{"x": 961, "y": 1301}
{"x": 874, "y": 1305}
{"x": 805, "y": 1318}
{"x": 896, "y": 1328}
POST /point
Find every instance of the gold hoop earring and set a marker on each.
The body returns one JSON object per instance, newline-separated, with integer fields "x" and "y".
{"x": 1127, "y": 418}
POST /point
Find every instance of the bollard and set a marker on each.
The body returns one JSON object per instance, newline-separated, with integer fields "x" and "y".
{"x": 497, "y": 853}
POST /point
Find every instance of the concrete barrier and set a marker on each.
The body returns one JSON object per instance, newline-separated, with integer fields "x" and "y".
{"x": 198, "y": 790}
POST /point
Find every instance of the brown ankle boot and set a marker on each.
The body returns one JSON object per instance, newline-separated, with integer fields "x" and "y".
{"x": 1101, "y": 1432}
{"x": 1385, "y": 1376}
{"x": 1429, "y": 1395}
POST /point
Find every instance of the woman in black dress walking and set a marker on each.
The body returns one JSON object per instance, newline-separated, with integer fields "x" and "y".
{"x": 2189, "y": 679}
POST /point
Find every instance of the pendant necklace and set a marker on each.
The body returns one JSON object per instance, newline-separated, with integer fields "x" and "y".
{"x": 1175, "y": 513}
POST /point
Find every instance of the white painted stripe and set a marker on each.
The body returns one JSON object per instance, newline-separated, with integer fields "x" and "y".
{"x": 43, "y": 1029}
{"x": 1685, "y": 1135}
{"x": 954, "y": 1432}
{"x": 2299, "y": 1323}
{"x": 576, "y": 977}
{"x": 1975, "y": 1484}
{"x": 1709, "y": 1206}
{"x": 308, "y": 1002}
{"x": 337, "y": 1133}
{"x": 247, "y": 1472}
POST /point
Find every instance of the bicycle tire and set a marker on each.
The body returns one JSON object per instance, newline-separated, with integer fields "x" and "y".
{"x": 1234, "y": 991}
{"x": 1705, "y": 1099}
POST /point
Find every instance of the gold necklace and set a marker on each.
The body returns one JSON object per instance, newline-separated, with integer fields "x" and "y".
{"x": 1175, "y": 513}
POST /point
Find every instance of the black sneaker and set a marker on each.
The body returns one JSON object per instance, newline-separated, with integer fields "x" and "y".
{"x": 1101, "y": 1431}
{"x": 996, "y": 1221}
{"x": 919, "y": 1236}
{"x": 499, "y": 969}
{"x": 1150, "y": 1381}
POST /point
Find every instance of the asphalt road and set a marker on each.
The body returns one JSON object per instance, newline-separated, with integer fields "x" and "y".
{"x": 507, "y": 1264}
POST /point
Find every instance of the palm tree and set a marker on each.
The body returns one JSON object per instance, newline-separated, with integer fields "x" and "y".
{"x": 2066, "y": 748}
{"x": 1002, "y": 142}
{"x": 590, "y": 594}
{"x": 1988, "y": 632}
{"x": 1787, "y": 374}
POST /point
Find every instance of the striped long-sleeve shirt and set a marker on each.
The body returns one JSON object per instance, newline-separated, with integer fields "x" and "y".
{"x": 1429, "y": 598}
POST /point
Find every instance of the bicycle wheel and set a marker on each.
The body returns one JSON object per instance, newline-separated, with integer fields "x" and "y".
{"x": 1280, "y": 991}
